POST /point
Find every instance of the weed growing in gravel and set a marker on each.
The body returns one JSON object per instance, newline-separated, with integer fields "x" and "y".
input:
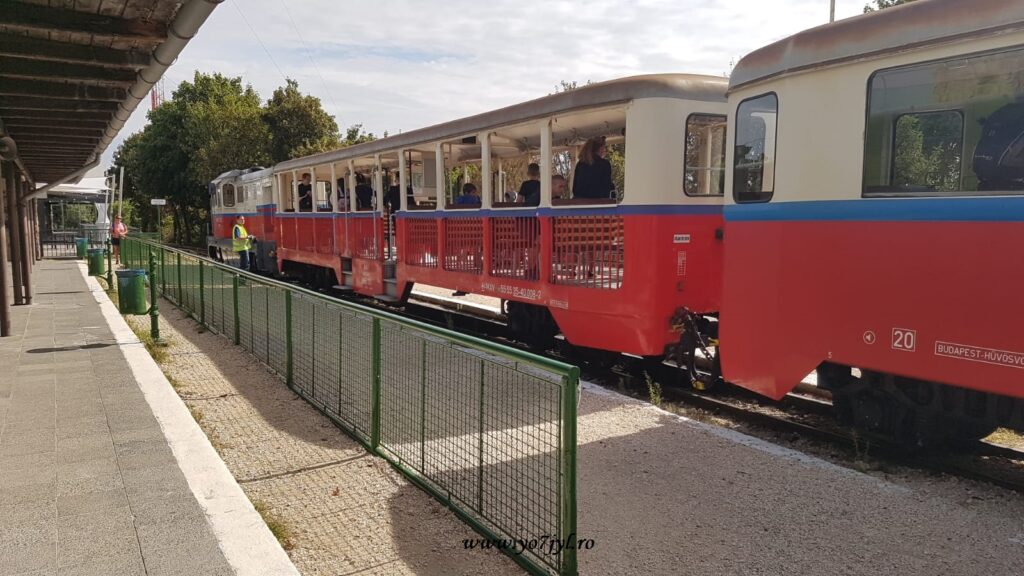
{"x": 197, "y": 414}
{"x": 653, "y": 390}
{"x": 157, "y": 351}
{"x": 862, "y": 461}
{"x": 278, "y": 527}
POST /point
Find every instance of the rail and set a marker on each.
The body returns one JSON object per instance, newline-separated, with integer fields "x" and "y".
{"x": 488, "y": 430}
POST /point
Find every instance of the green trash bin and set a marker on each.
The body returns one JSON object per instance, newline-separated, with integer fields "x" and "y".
{"x": 97, "y": 262}
{"x": 131, "y": 291}
{"x": 81, "y": 245}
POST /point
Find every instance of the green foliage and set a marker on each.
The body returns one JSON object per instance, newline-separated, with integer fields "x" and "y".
{"x": 71, "y": 216}
{"x": 883, "y": 4}
{"x": 928, "y": 151}
{"x": 356, "y": 135}
{"x": 299, "y": 126}
{"x": 213, "y": 124}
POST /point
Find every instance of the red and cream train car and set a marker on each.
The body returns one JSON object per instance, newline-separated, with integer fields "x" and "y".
{"x": 875, "y": 217}
{"x": 608, "y": 273}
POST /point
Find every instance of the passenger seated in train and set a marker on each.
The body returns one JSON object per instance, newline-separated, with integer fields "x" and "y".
{"x": 364, "y": 194}
{"x": 529, "y": 190}
{"x": 470, "y": 195}
{"x": 305, "y": 194}
{"x": 557, "y": 187}
{"x": 593, "y": 176}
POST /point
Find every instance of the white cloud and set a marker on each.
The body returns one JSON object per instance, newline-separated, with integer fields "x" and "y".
{"x": 398, "y": 64}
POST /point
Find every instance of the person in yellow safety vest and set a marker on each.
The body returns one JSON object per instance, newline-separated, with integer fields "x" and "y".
{"x": 241, "y": 242}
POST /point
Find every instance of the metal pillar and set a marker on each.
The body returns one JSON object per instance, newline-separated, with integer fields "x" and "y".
{"x": 15, "y": 233}
{"x": 5, "y": 302}
{"x": 37, "y": 228}
{"x": 26, "y": 246}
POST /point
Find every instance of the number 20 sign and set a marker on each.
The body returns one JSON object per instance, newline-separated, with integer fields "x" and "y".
{"x": 904, "y": 339}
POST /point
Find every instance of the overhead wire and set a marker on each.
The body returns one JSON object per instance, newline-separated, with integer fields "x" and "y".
{"x": 305, "y": 49}
{"x": 258, "y": 39}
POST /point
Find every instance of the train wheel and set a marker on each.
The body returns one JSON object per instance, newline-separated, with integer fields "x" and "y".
{"x": 912, "y": 413}
{"x": 533, "y": 325}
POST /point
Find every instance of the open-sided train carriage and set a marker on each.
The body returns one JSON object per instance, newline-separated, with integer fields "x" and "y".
{"x": 608, "y": 273}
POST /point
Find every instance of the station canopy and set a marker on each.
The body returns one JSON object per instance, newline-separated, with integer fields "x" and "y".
{"x": 72, "y": 72}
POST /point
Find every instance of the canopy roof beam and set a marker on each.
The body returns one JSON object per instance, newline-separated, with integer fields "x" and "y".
{"x": 35, "y": 17}
{"x": 19, "y": 87}
{"x": 41, "y": 49}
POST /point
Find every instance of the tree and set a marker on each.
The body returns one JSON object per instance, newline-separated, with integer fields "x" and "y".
{"x": 883, "y": 4}
{"x": 298, "y": 124}
{"x": 356, "y": 135}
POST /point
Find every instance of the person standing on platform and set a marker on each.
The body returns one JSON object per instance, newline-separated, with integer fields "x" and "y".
{"x": 241, "y": 242}
{"x": 117, "y": 232}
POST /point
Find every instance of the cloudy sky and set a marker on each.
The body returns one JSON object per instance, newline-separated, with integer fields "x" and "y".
{"x": 399, "y": 64}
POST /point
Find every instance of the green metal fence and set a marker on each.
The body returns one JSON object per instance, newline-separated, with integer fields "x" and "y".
{"x": 488, "y": 430}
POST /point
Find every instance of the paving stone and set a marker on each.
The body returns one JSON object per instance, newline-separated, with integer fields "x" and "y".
{"x": 92, "y": 447}
{"x": 14, "y": 477}
{"x": 91, "y": 502}
{"x": 125, "y": 565}
{"x": 93, "y": 537}
{"x": 19, "y": 559}
{"x": 28, "y": 494}
{"x": 203, "y": 557}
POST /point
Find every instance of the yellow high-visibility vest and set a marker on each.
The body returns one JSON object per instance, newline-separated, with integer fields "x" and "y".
{"x": 240, "y": 239}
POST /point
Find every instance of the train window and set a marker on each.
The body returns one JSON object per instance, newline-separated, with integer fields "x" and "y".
{"x": 228, "y": 192}
{"x": 754, "y": 154}
{"x": 704, "y": 161}
{"x": 950, "y": 127}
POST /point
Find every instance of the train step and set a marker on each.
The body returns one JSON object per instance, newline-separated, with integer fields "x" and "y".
{"x": 341, "y": 287}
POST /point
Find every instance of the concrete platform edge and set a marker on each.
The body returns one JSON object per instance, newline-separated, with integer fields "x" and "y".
{"x": 248, "y": 545}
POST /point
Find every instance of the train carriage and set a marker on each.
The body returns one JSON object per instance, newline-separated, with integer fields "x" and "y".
{"x": 608, "y": 273}
{"x": 875, "y": 217}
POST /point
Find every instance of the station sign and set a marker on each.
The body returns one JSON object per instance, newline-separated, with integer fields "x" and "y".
{"x": 158, "y": 201}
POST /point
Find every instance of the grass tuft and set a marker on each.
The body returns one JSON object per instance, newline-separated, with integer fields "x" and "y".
{"x": 277, "y": 526}
{"x": 653, "y": 390}
{"x": 157, "y": 351}
{"x": 197, "y": 414}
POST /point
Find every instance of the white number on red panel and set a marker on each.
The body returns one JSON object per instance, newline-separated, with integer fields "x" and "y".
{"x": 904, "y": 339}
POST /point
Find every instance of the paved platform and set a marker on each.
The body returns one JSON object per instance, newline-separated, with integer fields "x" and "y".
{"x": 91, "y": 458}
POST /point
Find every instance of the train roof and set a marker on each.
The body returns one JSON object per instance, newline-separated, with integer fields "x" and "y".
{"x": 680, "y": 86}
{"x": 901, "y": 27}
{"x": 254, "y": 172}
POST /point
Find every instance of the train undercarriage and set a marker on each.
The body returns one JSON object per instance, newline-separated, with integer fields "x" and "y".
{"x": 915, "y": 412}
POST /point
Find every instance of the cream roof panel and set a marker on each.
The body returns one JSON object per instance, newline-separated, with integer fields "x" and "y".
{"x": 901, "y": 27}
{"x": 682, "y": 86}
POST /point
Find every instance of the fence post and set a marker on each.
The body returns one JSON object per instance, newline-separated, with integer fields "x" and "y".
{"x": 375, "y": 421}
{"x": 154, "y": 309}
{"x": 480, "y": 463}
{"x": 110, "y": 268}
{"x": 202, "y": 297}
{"x": 288, "y": 335}
{"x": 163, "y": 271}
{"x": 569, "y": 400}
{"x": 235, "y": 279}
{"x": 181, "y": 297}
